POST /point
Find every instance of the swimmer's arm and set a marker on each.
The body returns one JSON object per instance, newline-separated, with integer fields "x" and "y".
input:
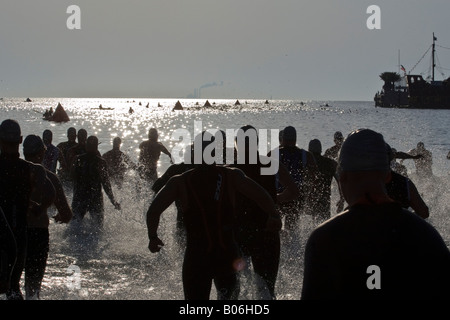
{"x": 107, "y": 184}
{"x": 64, "y": 211}
{"x": 164, "y": 150}
{"x": 163, "y": 199}
{"x": 417, "y": 203}
{"x": 38, "y": 177}
{"x": 290, "y": 191}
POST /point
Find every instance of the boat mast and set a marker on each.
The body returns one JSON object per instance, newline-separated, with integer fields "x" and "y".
{"x": 432, "y": 57}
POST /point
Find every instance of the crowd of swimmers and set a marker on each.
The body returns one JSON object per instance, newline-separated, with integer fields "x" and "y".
{"x": 230, "y": 216}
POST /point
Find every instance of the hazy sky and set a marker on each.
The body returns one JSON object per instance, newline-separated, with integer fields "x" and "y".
{"x": 280, "y": 49}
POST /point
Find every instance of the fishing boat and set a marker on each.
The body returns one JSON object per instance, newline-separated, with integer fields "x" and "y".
{"x": 413, "y": 91}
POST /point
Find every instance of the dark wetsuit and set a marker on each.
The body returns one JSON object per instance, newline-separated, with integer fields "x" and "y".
{"x": 262, "y": 246}
{"x": 294, "y": 159}
{"x": 150, "y": 151}
{"x": 211, "y": 246}
{"x": 64, "y": 172}
{"x": 320, "y": 201}
{"x": 413, "y": 259}
{"x": 15, "y": 191}
{"x": 51, "y": 157}
{"x": 89, "y": 175}
{"x": 39, "y": 241}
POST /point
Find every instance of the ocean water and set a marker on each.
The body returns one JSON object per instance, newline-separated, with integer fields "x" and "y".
{"x": 120, "y": 267}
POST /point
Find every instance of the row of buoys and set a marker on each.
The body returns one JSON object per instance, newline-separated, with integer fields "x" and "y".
{"x": 178, "y": 105}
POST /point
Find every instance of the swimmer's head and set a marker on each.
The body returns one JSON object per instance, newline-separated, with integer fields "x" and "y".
{"x": 364, "y": 150}
{"x": 82, "y": 135}
{"x": 153, "y": 134}
{"x": 10, "y": 132}
{"x": 92, "y": 144}
{"x": 47, "y": 136}
{"x": 117, "y": 141}
{"x": 71, "y": 133}
{"x": 315, "y": 146}
{"x": 338, "y": 137}
{"x": 289, "y": 135}
{"x": 33, "y": 145}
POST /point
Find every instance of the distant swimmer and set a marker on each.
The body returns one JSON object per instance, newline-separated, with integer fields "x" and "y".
{"x": 319, "y": 204}
{"x": 38, "y": 223}
{"x": 260, "y": 247}
{"x": 23, "y": 188}
{"x": 118, "y": 162}
{"x": 333, "y": 151}
{"x": 90, "y": 177}
{"x": 8, "y": 253}
{"x": 64, "y": 168}
{"x": 52, "y": 153}
{"x": 401, "y": 189}
{"x": 209, "y": 196}
{"x": 77, "y": 149}
{"x": 424, "y": 164}
{"x": 150, "y": 151}
{"x": 302, "y": 168}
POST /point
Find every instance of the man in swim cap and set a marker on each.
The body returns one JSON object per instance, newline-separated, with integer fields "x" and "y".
{"x": 375, "y": 249}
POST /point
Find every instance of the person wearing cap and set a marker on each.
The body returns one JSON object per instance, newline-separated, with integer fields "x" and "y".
{"x": 34, "y": 151}
{"x": 400, "y": 188}
{"x": 260, "y": 247}
{"x": 64, "y": 169}
{"x": 333, "y": 151}
{"x": 210, "y": 196}
{"x": 79, "y": 148}
{"x": 52, "y": 153}
{"x": 319, "y": 204}
{"x": 21, "y": 192}
{"x": 150, "y": 151}
{"x": 118, "y": 162}
{"x": 375, "y": 249}
{"x": 302, "y": 168}
{"x": 90, "y": 178}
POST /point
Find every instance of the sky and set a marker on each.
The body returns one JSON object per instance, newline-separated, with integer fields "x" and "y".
{"x": 228, "y": 49}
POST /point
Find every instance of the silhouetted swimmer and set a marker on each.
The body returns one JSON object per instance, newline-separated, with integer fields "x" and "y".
{"x": 118, "y": 163}
{"x": 78, "y": 149}
{"x": 64, "y": 167}
{"x": 333, "y": 151}
{"x": 209, "y": 197}
{"x": 424, "y": 164}
{"x": 23, "y": 189}
{"x": 401, "y": 189}
{"x": 319, "y": 204}
{"x": 375, "y": 249}
{"x": 258, "y": 245}
{"x": 52, "y": 153}
{"x": 90, "y": 177}
{"x": 34, "y": 151}
{"x": 302, "y": 168}
{"x": 150, "y": 151}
